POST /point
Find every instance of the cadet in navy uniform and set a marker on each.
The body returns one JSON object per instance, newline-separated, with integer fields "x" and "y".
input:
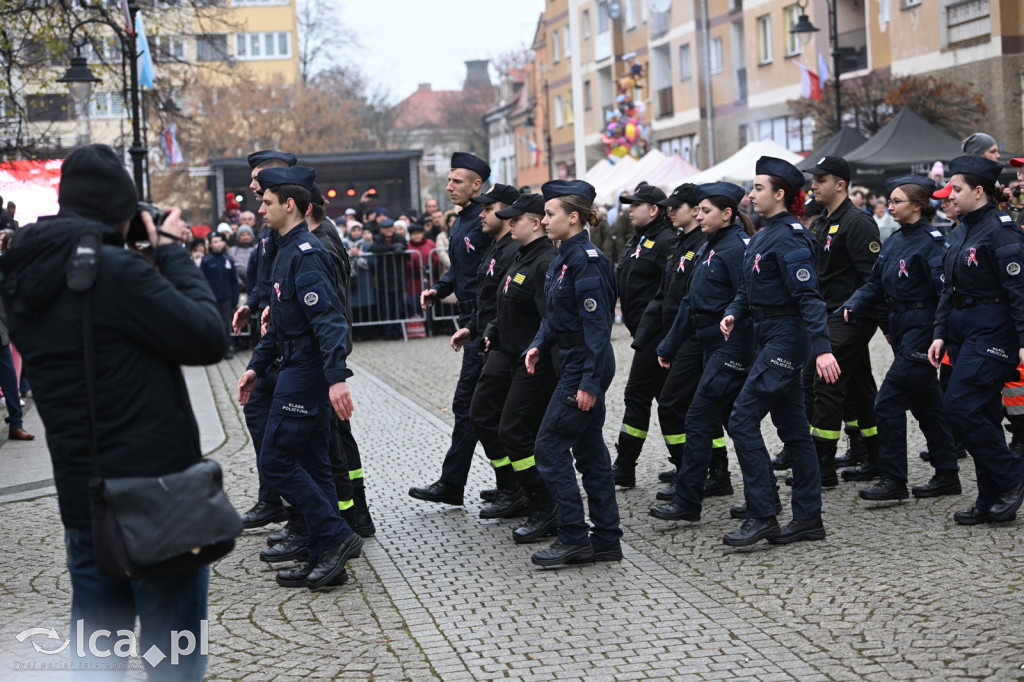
{"x": 908, "y": 276}
{"x": 580, "y": 290}
{"x": 466, "y": 246}
{"x": 717, "y": 275}
{"x": 980, "y": 322}
{"x": 640, "y": 272}
{"x": 780, "y": 293}
{"x": 268, "y": 508}
{"x": 308, "y": 329}
{"x": 688, "y": 361}
{"x": 521, "y": 307}
{"x": 491, "y": 388}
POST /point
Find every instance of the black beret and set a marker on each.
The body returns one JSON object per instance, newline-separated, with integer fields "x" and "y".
{"x": 506, "y": 194}
{"x": 256, "y": 158}
{"x": 790, "y": 174}
{"x": 302, "y": 176}
{"x": 315, "y": 196}
{"x": 526, "y": 203}
{"x": 911, "y": 179}
{"x": 721, "y": 189}
{"x": 644, "y": 194}
{"x": 471, "y": 162}
{"x": 565, "y": 188}
{"x": 832, "y": 165}
{"x": 683, "y": 194}
{"x": 975, "y": 165}
{"x": 95, "y": 185}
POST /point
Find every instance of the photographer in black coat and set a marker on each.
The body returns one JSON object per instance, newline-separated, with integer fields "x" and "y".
{"x": 148, "y": 322}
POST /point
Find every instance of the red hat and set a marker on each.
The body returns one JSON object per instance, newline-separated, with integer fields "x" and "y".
{"x": 1017, "y": 162}
{"x": 944, "y": 192}
{"x": 232, "y": 204}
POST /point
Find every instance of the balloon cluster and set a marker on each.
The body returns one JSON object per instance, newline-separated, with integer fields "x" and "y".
{"x": 625, "y": 134}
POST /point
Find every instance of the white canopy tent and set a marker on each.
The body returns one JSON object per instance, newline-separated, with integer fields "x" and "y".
{"x": 611, "y": 184}
{"x": 739, "y": 167}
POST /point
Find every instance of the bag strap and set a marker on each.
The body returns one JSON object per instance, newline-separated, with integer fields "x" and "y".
{"x": 83, "y": 268}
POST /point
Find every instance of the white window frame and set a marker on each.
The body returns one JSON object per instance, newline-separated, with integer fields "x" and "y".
{"x": 717, "y": 64}
{"x": 245, "y": 42}
{"x": 685, "y": 63}
{"x": 559, "y": 112}
{"x": 167, "y": 48}
{"x": 585, "y": 20}
{"x": 107, "y": 105}
{"x": 556, "y": 53}
{"x": 629, "y": 14}
{"x": 566, "y": 43}
{"x": 793, "y": 46}
{"x": 764, "y": 39}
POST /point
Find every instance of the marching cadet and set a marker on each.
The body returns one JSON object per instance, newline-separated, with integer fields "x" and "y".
{"x": 640, "y": 272}
{"x": 684, "y": 373}
{"x": 908, "y": 277}
{"x": 780, "y": 293}
{"x": 980, "y": 322}
{"x": 717, "y": 274}
{"x": 466, "y": 246}
{"x": 521, "y": 306}
{"x": 848, "y": 245}
{"x": 580, "y": 294}
{"x": 308, "y": 330}
{"x": 508, "y": 499}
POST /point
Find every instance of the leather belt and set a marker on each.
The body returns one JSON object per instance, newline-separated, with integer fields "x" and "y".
{"x": 701, "y": 320}
{"x": 570, "y": 339}
{"x": 960, "y": 301}
{"x": 900, "y": 306}
{"x": 289, "y": 346}
{"x": 766, "y": 312}
{"x": 465, "y": 307}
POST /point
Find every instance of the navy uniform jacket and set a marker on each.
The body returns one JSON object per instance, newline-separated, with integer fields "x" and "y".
{"x": 717, "y": 273}
{"x": 640, "y": 269}
{"x": 521, "y": 298}
{"x": 983, "y": 260}
{"x": 466, "y": 245}
{"x": 219, "y": 270}
{"x": 304, "y": 303}
{"x": 580, "y": 294}
{"x": 848, "y": 244}
{"x": 908, "y": 271}
{"x": 778, "y": 271}
{"x": 490, "y": 274}
{"x": 259, "y": 295}
{"x": 662, "y": 309}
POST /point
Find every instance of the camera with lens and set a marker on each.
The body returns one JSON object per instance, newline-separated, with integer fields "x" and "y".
{"x": 137, "y": 237}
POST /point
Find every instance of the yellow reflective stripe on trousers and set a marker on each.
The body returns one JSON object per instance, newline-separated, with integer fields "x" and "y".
{"x": 675, "y": 439}
{"x": 718, "y": 442}
{"x": 825, "y": 433}
{"x": 524, "y": 464}
{"x": 853, "y": 424}
{"x": 355, "y": 473}
{"x": 867, "y": 433}
{"x": 345, "y": 504}
{"x": 504, "y": 461}
{"x": 630, "y": 431}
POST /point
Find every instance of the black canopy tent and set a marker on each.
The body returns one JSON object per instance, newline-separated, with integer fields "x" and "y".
{"x": 846, "y": 140}
{"x": 906, "y": 144}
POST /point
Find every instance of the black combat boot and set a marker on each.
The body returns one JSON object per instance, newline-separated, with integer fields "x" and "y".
{"x": 869, "y": 469}
{"x": 362, "y": 522}
{"x": 718, "y": 483}
{"x": 624, "y": 468}
{"x": 855, "y": 452}
{"x": 543, "y": 520}
{"x": 826, "y": 450}
{"x": 783, "y": 460}
{"x": 675, "y": 456}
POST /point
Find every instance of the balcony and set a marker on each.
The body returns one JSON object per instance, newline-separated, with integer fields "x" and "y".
{"x": 853, "y": 50}
{"x": 602, "y": 46}
{"x": 665, "y": 106}
{"x": 659, "y": 24}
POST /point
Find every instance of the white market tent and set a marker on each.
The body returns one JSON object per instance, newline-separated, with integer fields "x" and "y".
{"x": 674, "y": 172}
{"x": 644, "y": 169}
{"x": 739, "y": 167}
{"x": 599, "y": 171}
{"x": 610, "y": 183}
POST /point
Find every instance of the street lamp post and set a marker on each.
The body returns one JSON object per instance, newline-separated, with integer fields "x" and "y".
{"x": 80, "y": 78}
{"x": 805, "y": 28}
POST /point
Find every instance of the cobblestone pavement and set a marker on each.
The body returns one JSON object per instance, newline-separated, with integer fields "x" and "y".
{"x": 897, "y": 591}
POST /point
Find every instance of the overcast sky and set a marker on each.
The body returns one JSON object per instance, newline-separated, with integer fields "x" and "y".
{"x": 407, "y": 42}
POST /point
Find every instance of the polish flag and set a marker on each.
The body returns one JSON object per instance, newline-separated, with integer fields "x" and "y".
{"x": 810, "y": 83}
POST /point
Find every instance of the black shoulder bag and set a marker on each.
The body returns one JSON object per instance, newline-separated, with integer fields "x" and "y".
{"x": 153, "y": 526}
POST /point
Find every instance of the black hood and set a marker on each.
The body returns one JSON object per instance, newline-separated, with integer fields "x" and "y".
{"x": 34, "y": 268}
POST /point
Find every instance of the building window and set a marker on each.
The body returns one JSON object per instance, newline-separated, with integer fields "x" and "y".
{"x": 685, "y": 66}
{"x": 566, "y": 46}
{"x": 109, "y": 52}
{"x": 559, "y": 112}
{"x": 588, "y": 96}
{"x": 764, "y": 39}
{"x": 586, "y": 23}
{"x": 629, "y": 13}
{"x": 257, "y": 3}
{"x": 47, "y": 107}
{"x": 568, "y": 109}
{"x": 168, "y": 48}
{"x": 106, "y": 105}
{"x": 967, "y": 22}
{"x": 795, "y": 134}
{"x": 792, "y": 39}
{"x": 556, "y": 47}
{"x": 211, "y": 47}
{"x": 717, "y": 60}
{"x": 250, "y": 46}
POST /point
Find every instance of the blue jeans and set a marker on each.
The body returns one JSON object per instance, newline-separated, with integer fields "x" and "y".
{"x": 9, "y": 385}
{"x": 164, "y": 606}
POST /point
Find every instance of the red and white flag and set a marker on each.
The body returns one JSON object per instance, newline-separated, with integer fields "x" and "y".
{"x": 810, "y": 83}
{"x": 129, "y": 25}
{"x": 170, "y": 143}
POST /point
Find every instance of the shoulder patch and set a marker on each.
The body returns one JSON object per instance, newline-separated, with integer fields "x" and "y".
{"x": 803, "y": 274}
{"x": 648, "y": 243}
{"x": 874, "y": 247}
{"x": 519, "y": 278}
{"x": 689, "y": 255}
{"x": 592, "y": 253}
{"x": 746, "y": 241}
{"x": 305, "y": 246}
{"x": 833, "y": 229}
{"x": 935, "y": 233}
{"x": 310, "y": 298}
{"x": 1005, "y": 218}
{"x": 797, "y": 227}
